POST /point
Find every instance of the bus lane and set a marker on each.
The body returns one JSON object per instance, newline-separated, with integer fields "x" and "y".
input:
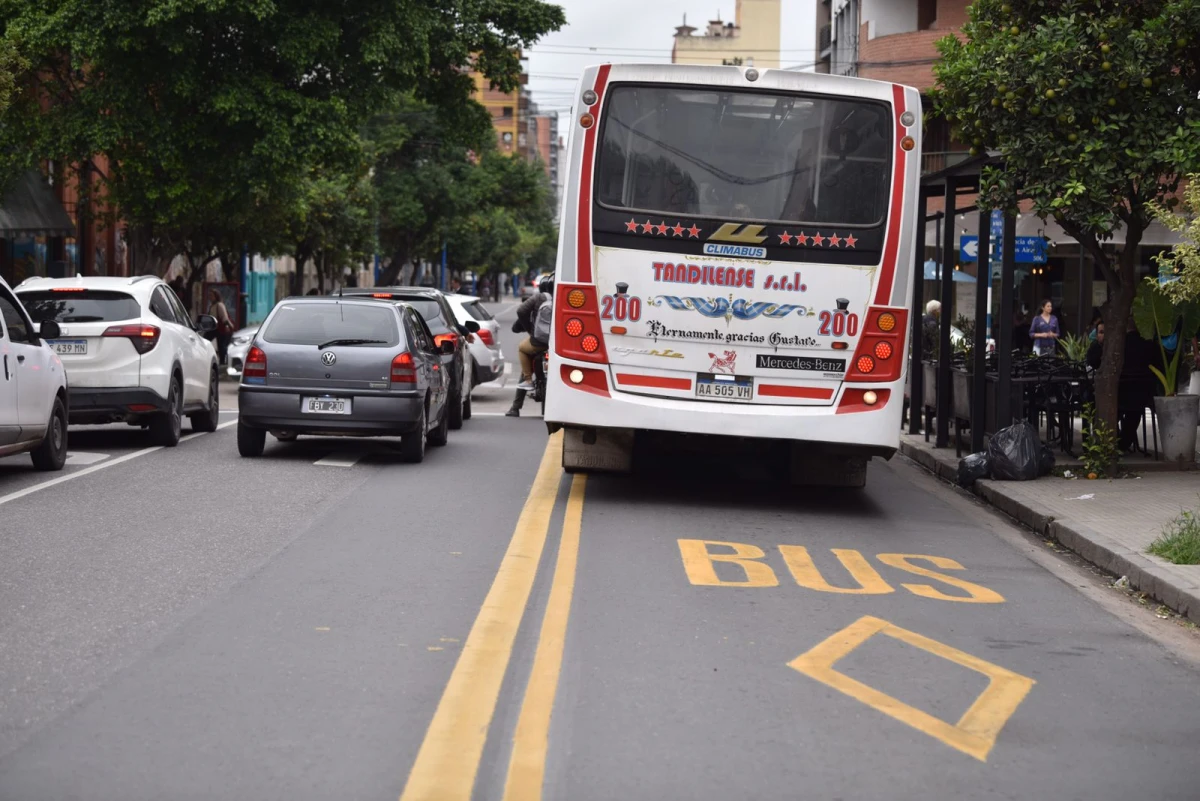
{"x": 740, "y": 639}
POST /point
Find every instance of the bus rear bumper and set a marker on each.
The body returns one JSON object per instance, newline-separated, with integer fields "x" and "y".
{"x": 871, "y": 432}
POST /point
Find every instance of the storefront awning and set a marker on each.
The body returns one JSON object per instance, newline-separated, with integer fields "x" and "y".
{"x": 29, "y": 207}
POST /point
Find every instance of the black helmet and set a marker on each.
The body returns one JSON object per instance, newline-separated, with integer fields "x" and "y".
{"x": 547, "y": 285}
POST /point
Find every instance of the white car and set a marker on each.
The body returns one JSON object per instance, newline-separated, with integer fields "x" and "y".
{"x": 33, "y": 387}
{"x": 487, "y": 360}
{"x": 131, "y": 352}
{"x": 239, "y": 346}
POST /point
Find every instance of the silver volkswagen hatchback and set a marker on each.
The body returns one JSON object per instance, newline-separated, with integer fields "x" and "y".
{"x": 343, "y": 367}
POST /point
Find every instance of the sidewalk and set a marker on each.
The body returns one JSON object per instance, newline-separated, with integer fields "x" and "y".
{"x": 1109, "y": 523}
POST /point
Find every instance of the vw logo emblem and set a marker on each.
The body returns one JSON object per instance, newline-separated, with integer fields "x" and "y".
{"x": 328, "y": 358}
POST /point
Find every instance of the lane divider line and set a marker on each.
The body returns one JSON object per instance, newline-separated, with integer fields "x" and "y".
{"x": 84, "y": 458}
{"x": 54, "y": 482}
{"x": 342, "y": 459}
{"x": 448, "y": 760}
{"x": 531, "y": 738}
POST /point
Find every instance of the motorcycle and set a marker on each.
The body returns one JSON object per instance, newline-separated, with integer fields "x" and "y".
{"x": 540, "y": 368}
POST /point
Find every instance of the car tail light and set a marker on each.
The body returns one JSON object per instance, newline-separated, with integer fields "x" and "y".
{"x": 404, "y": 370}
{"x": 582, "y": 333}
{"x": 143, "y": 337}
{"x": 256, "y": 364}
{"x": 440, "y": 338}
{"x": 485, "y": 336}
{"x": 882, "y": 340}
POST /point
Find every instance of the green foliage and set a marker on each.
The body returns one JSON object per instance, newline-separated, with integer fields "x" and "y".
{"x": 1093, "y": 105}
{"x": 1183, "y": 260}
{"x": 1157, "y": 316}
{"x": 1101, "y": 448}
{"x": 205, "y": 120}
{"x": 1180, "y": 541}
{"x": 1074, "y": 348}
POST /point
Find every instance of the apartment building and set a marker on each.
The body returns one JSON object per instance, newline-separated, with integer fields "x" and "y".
{"x": 751, "y": 39}
{"x": 509, "y": 112}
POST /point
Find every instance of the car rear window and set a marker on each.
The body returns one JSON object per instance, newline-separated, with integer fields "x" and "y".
{"x": 476, "y": 310}
{"x": 88, "y": 306}
{"x": 321, "y": 323}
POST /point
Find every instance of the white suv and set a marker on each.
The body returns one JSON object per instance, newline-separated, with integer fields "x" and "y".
{"x": 131, "y": 352}
{"x": 33, "y": 388}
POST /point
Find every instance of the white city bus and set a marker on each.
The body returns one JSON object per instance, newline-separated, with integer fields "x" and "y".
{"x": 735, "y": 259}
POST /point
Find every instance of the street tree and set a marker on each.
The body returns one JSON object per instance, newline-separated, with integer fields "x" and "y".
{"x": 1183, "y": 260}
{"x": 187, "y": 115}
{"x": 1093, "y": 106}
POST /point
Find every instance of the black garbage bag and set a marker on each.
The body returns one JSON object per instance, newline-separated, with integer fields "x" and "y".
{"x": 972, "y": 468}
{"x": 1046, "y": 462}
{"x": 1015, "y": 453}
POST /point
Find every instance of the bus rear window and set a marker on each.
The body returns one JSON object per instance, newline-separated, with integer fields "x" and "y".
{"x": 88, "y": 306}
{"x": 700, "y": 152}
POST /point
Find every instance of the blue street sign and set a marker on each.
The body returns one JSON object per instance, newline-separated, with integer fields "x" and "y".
{"x": 997, "y": 228}
{"x": 1030, "y": 249}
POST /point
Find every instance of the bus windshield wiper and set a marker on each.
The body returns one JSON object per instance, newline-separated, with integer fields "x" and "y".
{"x": 324, "y": 345}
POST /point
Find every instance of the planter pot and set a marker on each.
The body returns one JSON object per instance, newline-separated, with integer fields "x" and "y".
{"x": 929, "y": 384}
{"x": 1177, "y": 420}
{"x": 961, "y": 395}
{"x": 1193, "y": 387}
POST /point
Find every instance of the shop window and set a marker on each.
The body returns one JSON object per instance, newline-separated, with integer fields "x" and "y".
{"x": 926, "y": 14}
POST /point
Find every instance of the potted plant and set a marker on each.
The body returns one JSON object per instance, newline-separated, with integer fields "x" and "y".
{"x": 1158, "y": 317}
{"x": 1074, "y": 349}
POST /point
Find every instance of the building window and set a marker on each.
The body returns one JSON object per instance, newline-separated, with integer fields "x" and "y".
{"x": 508, "y": 112}
{"x": 926, "y": 14}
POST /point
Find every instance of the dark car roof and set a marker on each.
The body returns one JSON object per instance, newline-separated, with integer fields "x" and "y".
{"x": 445, "y": 321}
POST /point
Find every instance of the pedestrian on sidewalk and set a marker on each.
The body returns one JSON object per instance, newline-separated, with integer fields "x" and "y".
{"x": 1044, "y": 331}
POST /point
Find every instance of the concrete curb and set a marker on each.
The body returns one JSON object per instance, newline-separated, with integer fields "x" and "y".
{"x": 1144, "y": 573}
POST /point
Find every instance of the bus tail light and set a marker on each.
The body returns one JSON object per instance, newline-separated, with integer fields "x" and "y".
{"x": 580, "y": 333}
{"x": 589, "y": 380}
{"x": 877, "y": 357}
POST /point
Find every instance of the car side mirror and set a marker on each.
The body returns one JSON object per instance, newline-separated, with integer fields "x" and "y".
{"x": 447, "y": 347}
{"x": 49, "y": 330}
{"x": 207, "y": 323}
{"x": 471, "y": 326}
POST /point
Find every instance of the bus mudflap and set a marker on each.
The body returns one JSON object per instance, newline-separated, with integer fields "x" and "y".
{"x": 608, "y": 450}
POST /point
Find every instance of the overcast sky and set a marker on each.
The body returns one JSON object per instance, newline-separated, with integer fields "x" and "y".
{"x": 640, "y": 31}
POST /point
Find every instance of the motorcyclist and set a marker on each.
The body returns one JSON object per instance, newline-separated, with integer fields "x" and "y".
{"x": 529, "y": 349}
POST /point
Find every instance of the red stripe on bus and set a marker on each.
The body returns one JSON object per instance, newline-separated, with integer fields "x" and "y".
{"x": 883, "y": 293}
{"x": 583, "y": 230}
{"x": 782, "y": 391}
{"x": 658, "y": 382}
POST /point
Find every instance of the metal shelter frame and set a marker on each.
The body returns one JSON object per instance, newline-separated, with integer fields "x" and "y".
{"x": 960, "y": 179}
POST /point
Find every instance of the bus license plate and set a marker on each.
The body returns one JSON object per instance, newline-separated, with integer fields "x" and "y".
{"x": 326, "y": 406}
{"x": 733, "y": 388}
{"x": 70, "y": 347}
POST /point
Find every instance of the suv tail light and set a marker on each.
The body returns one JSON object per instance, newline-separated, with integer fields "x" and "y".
{"x": 880, "y": 353}
{"x": 581, "y": 334}
{"x": 256, "y": 364}
{"x": 440, "y": 338}
{"x": 485, "y": 336}
{"x": 143, "y": 337}
{"x": 404, "y": 370}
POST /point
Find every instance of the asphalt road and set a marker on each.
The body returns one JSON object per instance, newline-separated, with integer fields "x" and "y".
{"x": 328, "y": 623}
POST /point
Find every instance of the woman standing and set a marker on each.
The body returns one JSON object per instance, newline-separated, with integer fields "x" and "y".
{"x": 216, "y": 308}
{"x": 1044, "y": 331}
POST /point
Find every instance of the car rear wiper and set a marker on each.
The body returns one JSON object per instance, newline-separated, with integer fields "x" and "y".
{"x": 324, "y": 345}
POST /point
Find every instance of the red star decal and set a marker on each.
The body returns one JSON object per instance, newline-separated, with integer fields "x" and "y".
{"x": 802, "y": 238}
{"x": 851, "y": 241}
{"x": 661, "y": 229}
{"x": 818, "y": 239}
{"x": 678, "y": 230}
{"x": 785, "y": 238}
{"x": 647, "y": 227}
{"x": 834, "y": 240}
{"x": 694, "y": 232}
{"x": 631, "y": 227}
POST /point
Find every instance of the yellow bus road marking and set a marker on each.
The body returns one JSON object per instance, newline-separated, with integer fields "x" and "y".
{"x": 527, "y": 765}
{"x": 976, "y": 731}
{"x": 448, "y": 759}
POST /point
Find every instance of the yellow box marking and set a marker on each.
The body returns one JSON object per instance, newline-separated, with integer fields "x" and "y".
{"x": 448, "y": 759}
{"x": 531, "y": 739}
{"x": 976, "y": 594}
{"x": 699, "y": 564}
{"x": 804, "y": 570}
{"x": 976, "y": 731}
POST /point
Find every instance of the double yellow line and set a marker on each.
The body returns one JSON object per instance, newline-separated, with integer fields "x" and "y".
{"x": 448, "y": 760}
